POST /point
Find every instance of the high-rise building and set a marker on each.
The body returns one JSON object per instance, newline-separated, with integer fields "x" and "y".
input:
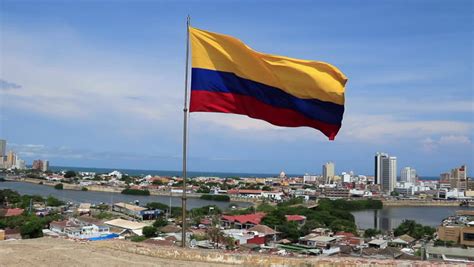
{"x": 3, "y": 147}
{"x": 11, "y": 160}
{"x": 385, "y": 171}
{"x": 458, "y": 178}
{"x": 328, "y": 171}
{"x": 378, "y": 167}
{"x": 45, "y": 165}
{"x": 40, "y": 165}
{"x": 408, "y": 175}
{"x": 19, "y": 164}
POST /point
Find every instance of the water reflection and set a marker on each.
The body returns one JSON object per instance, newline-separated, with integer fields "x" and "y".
{"x": 391, "y": 217}
{"x": 106, "y": 197}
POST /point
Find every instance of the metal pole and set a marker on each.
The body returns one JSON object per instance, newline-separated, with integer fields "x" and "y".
{"x": 185, "y": 135}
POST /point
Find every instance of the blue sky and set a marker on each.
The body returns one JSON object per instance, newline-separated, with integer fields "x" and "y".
{"x": 100, "y": 84}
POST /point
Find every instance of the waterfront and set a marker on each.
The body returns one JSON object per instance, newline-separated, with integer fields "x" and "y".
{"x": 390, "y": 217}
{"x": 106, "y": 197}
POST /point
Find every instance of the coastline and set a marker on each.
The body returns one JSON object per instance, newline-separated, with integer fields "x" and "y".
{"x": 154, "y": 192}
{"x": 422, "y": 203}
{"x": 108, "y": 189}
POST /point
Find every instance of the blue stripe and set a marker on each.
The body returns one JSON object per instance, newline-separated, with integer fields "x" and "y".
{"x": 227, "y": 82}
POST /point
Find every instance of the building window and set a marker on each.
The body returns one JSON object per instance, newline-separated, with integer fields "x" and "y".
{"x": 468, "y": 237}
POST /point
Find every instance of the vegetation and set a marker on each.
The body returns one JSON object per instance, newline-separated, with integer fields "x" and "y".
{"x": 136, "y": 192}
{"x": 157, "y": 206}
{"x": 351, "y": 205}
{"x": 103, "y": 215}
{"x": 216, "y": 197}
{"x": 32, "y": 228}
{"x": 70, "y": 174}
{"x": 333, "y": 214}
{"x": 371, "y": 232}
{"x": 204, "y": 189}
{"x": 160, "y": 222}
{"x": 54, "y": 202}
{"x": 414, "y": 229}
{"x": 149, "y": 231}
{"x": 84, "y": 189}
{"x": 138, "y": 238}
{"x": 59, "y": 186}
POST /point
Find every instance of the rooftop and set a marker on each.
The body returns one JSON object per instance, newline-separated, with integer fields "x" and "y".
{"x": 263, "y": 229}
{"x": 377, "y": 242}
{"x": 129, "y": 206}
{"x": 247, "y": 218}
{"x": 291, "y": 218}
{"x": 13, "y": 212}
{"x": 121, "y": 223}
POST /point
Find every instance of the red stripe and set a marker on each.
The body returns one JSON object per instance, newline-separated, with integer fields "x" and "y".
{"x": 205, "y": 101}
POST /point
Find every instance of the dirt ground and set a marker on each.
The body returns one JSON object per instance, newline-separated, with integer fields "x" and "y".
{"x": 61, "y": 252}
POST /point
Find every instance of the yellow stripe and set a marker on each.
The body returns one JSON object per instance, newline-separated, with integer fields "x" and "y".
{"x": 301, "y": 78}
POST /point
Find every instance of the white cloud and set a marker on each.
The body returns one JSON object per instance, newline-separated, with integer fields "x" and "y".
{"x": 386, "y": 128}
{"x": 408, "y": 105}
{"x": 431, "y": 144}
{"x": 83, "y": 82}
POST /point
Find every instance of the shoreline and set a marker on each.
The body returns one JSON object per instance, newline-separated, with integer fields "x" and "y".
{"x": 154, "y": 192}
{"x": 422, "y": 203}
{"x": 108, "y": 189}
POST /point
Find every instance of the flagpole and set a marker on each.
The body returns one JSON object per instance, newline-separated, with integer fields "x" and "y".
{"x": 185, "y": 136}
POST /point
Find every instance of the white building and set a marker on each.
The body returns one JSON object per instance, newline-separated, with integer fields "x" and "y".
{"x": 346, "y": 177}
{"x": 276, "y": 195}
{"x": 408, "y": 174}
{"x": 307, "y": 178}
{"x": 116, "y": 174}
{"x": 328, "y": 171}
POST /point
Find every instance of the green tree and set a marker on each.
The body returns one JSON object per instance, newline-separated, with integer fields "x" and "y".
{"x": 149, "y": 231}
{"x": 157, "y": 182}
{"x": 371, "y": 232}
{"x": 266, "y": 188}
{"x": 414, "y": 229}
{"x": 33, "y": 228}
{"x": 204, "y": 189}
{"x": 265, "y": 207}
{"x": 70, "y": 174}
{"x": 59, "y": 186}
{"x": 157, "y": 206}
{"x": 160, "y": 222}
{"x": 54, "y": 202}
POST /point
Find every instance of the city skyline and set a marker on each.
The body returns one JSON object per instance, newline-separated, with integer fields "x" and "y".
{"x": 107, "y": 91}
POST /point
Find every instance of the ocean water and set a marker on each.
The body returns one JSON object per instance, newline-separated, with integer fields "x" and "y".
{"x": 136, "y": 172}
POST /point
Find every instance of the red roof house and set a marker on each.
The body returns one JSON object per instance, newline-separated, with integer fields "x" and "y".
{"x": 300, "y": 219}
{"x": 242, "y": 221}
{"x": 13, "y": 212}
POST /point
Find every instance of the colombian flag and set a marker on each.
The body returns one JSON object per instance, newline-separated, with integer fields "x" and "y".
{"x": 229, "y": 77}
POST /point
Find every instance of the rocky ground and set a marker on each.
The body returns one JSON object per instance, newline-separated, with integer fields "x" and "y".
{"x": 62, "y": 252}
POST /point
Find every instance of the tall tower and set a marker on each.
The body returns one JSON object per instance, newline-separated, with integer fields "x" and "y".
{"x": 408, "y": 175}
{"x": 459, "y": 178}
{"x": 328, "y": 171}
{"x": 11, "y": 159}
{"x": 378, "y": 167}
{"x": 385, "y": 171}
{"x": 3, "y": 147}
{"x": 392, "y": 174}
